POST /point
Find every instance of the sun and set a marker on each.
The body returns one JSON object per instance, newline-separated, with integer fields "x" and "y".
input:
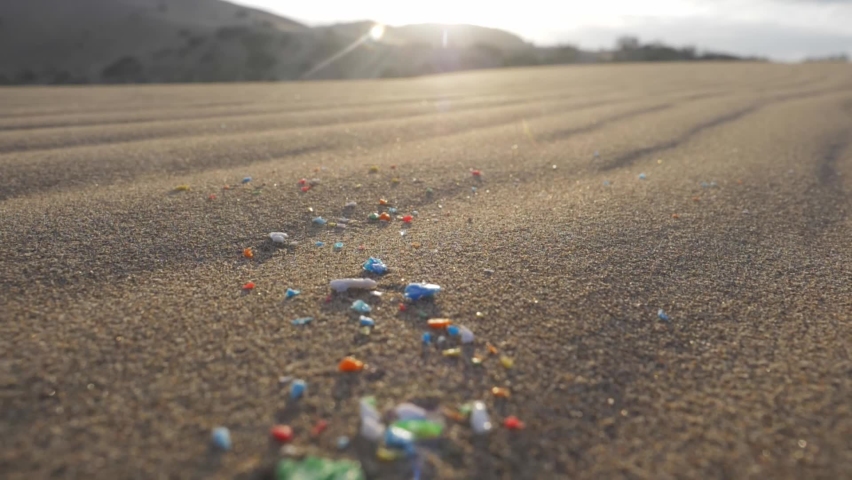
{"x": 377, "y": 31}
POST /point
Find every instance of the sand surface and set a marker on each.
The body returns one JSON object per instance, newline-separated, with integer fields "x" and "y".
{"x": 125, "y": 336}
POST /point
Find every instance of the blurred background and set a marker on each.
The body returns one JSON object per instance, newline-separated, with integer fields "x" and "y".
{"x": 145, "y": 41}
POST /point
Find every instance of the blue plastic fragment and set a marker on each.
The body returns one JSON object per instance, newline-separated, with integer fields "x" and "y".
{"x": 374, "y": 265}
{"x": 366, "y": 321}
{"x": 320, "y": 244}
{"x": 453, "y": 330}
{"x": 416, "y": 291}
{"x": 361, "y": 306}
{"x": 663, "y": 315}
{"x": 221, "y": 438}
{"x": 338, "y": 246}
{"x": 642, "y": 176}
{"x": 427, "y": 338}
{"x": 297, "y": 389}
{"x": 391, "y": 210}
{"x": 473, "y": 189}
{"x": 246, "y": 179}
{"x": 396, "y": 437}
{"x": 291, "y": 293}
{"x": 320, "y": 221}
{"x": 302, "y": 321}
{"x": 342, "y": 442}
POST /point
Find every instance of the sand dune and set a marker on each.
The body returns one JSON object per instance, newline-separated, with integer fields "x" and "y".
{"x": 126, "y": 336}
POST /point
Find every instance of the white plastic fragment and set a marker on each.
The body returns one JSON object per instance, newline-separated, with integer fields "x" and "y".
{"x": 343, "y": 284}
{"x": 278, "y": 237}
{"x": 480, "y": 422}
{"x": 466, "y": 335}
{"x": 409, "y": 411}
{"x": 372, "y": 429}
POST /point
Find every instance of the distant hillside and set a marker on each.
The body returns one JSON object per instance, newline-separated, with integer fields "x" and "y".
{"x": 119, "y": 41}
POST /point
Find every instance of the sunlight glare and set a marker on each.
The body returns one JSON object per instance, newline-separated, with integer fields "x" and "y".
{"x": 377, "y": 31}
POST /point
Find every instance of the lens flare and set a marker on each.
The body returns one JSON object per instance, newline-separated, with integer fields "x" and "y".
{"x": 377, "y": 32}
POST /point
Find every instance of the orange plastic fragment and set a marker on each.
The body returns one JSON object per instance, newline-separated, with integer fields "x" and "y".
{"x": 454, "y": 415}
{"x": 382, "y": 201}
{"x": 675, "y": 216}
{"x": 491, "y": 348}
{"x": 350, "y": 364}
{"x": 385, "y": 216}
{"x": 438, "y": 323}
{"x": 501, "y": 392}
{"x": 248, "y": 253}
{"x": 248, "y": 286}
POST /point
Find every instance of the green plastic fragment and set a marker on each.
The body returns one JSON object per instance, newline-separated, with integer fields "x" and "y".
{"x": 465, "y": 409}
{"x": 422, "y": 429}
{"x": 315, "y": 468}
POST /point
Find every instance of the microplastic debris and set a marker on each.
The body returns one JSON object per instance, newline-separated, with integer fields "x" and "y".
{"x": 281, "y": 433}
{"x": 662, "y": 315}
{"x": 409, "y": 411}
{"x": 302, "y": 181}
{"x": 248, "y": 253}
{"x": 343, "y": 284}
{"x": 507, "y": 362}
{"x": 479, "y": 419}
{"x": 407, "y": 219}
{"x": 451, "y": 352}
{"x": 374, "y": 169}
{"x": 642, "y": 176}
{"x": 318, "y": 428}
{"x": 183, "y": 188}
{"x": 373, "y": 216}
{"x": 391, "y": 210}
{"x": 302, "y": 321}
{"x": 361, "y": 306}
{"x": 376, "y": 293}
{"x": 453, "y": 330}
{"x": 367, "y": 408}
{"x": 315, "y": 468}
{"x": 439, "y": 323}
{"x": 512, "y": 423}
{"x": 427, "y": 338}
{"x": 320, "y": 244}
{"x": 221, "y": 437}
{"x": 319, "y": 221}
{"x": 387, "y": 455}
{"x": 416, "y": 291}
{"x": 385, "y": 217}
{"x": 466, "y": 335}
{"x": 298, "y": 389}
{"x": 375, "y": 265}
{"x": 350, "y": 364}
{"x": 421, "y": 428}
{"x": 342, "y": 442}
{"x": 501, "y": 392}
{"x": 278, "y": 237}
{"x": 246, "y": 179}
{"x": 382, "y": 201}
{"x": 338, "y": 246}
{"x": 248, "y": 286}
{"x": 475, "y": 173}
{"x": 400, "y": 438}
{"x": 366, "y": 321}
{"x": 291, "y": 293}
{"x": 414, "y": 213}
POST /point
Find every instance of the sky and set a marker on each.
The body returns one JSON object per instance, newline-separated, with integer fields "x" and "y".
{"x": 785, "y": 30}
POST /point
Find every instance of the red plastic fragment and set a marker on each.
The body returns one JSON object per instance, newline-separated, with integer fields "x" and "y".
{"x": 306, "y": 188}
{"x": 475, "y": 172}
{"x": 248, "y": 286}
{"x": 282, "y": 433}
{"x": 303, "y": 181}
{"x": 407, "y": 219}
{"x": 403, "y": 307}
{"x": 212, "y": 197}
{"x": 512, "y": 423}
{"x": 319, "y": 428}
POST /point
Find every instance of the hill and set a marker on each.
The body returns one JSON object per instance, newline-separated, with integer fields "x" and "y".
{"x": 139, "y": 41}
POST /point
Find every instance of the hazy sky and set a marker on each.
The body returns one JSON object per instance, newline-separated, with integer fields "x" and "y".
{"x": 781, "y": 29}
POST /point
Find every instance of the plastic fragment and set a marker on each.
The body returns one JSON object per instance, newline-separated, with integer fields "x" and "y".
{"x": 338, "y": 246}
{"x": 476, "y": 360}
{"x": 366, "y": 321}
{"x": 501, "y": 392}
{"x": 491, "y": 348}
{"x": 427, "y": 338}
{"x": 662, "y": 315}
{"x": 416, "y": 291}
{"x": 305, "y": 188}
{"x": 367, "y": 408}
{"x": 374, "y": 169}
{"x": 372, "y": 429}
{"x": 282, "y": 433}
{"x": 475, "y": 173}
{"x": 248, "y": 253}
{"x": 248, "y": 286}
{"x": 480, "y": 422}
{"x": 350, "y": 364}
{"x": 343, "y": 284}
{"x": 451, "y": 352}
{"x": 453, "y": 330}
{"x": 246, "y": 179}
{"x": 465, "y": 409}
{"x": 319, "y": 221}
{"x": 441, "y": 340}
{"x": 302, "y": 181}
{"x": 453, "y": 415}
{"x": 364, "y": 331}
{"x": 512, "y": 423}
{"x": 319, "y": 427}
{"x": 291, "y": 293}
{"x": 507, "y": 362}
{"x": 298, "y": 389}
{"x": 409, "y": 411}
{"x": 342, "y": 442}
{"x": 407, "y": 219}
{"x": 278, "y": 237}
{"x": 373, "y": 216}
{"x": 183, "y": 188}
{"x": 385, "y": 217}
{"x": 320, "y": 244}
{"x": 361, "y": 306}
{"x": 387, "y": 455}
{"x": 392, "y": 210}
{"x": 221, "y": 438}
{"x": 403, "y": 307}
{"x": 315, "y": 468}
{"x": 642, "y": 176}
{"x": 466, "y": 335}
{"x": 439, "y": 323}
{"x": 375, "y": 265}
{"x": 211, "y": 197}
{"x": 422, "y": 429}
{"x": 302, "y": 321}
{"x": 396, "y": 437}
{"x": 395, "y": 180}
{"x": 382, "y": 201}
